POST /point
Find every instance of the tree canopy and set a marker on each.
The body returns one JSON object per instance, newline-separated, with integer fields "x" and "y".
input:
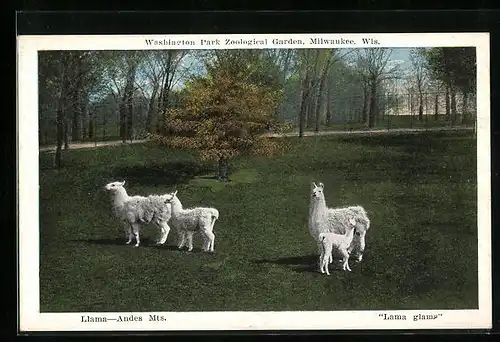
{"x": 226, "y": 113}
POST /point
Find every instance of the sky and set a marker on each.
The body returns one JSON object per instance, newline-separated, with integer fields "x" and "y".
{"x": 402, "y": 56}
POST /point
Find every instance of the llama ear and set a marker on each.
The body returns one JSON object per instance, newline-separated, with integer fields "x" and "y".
{"x": 314, "y": 184}
{"x": 174, "y": 193}
{"x": 123, "y": 183}
{"x": 321, "y": 185}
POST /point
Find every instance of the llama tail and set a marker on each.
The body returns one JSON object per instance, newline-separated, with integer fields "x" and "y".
{"x": 215, "y": 217}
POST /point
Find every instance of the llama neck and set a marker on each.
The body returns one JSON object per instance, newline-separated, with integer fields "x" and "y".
{"x": 349, "y": 234}
{"x": 318, "y": 207}
{"x": 176, "y": 206}
{"x": 120, "y": 197}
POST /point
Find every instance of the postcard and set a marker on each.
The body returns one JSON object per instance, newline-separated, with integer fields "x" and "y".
{"x": 254, "y": 182}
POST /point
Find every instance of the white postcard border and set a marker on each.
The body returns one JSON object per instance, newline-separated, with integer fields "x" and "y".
{"x": 32, "y": 320}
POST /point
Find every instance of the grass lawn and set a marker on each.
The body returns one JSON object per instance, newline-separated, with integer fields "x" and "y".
{"x": 419, "y": 191}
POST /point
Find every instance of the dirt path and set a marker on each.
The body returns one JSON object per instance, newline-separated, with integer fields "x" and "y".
{"x": 374, "y": 131}
{"x": 87, "y": 145}
{"x": 74, "y": 146}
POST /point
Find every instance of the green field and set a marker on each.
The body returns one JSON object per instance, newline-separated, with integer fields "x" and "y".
{"x": 419, "y": 191}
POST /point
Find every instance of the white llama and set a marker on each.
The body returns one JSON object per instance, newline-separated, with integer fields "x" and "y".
{"x": 336, "y": 244}
{"x": 189, "y": 221}
{"x": 135, "y": 211}
{"x": 337, "y": 220}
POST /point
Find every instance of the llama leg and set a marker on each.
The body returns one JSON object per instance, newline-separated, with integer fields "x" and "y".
{"x": 189, "y": 238}
{"x": 206, "y": 241}
{"x": 181, "y": 234}
{"x": 321, "y": 262}
{"x": 325, "y": 263}
{"x": 159, "y": 225}
{"x": 210, "y": 236}
{"x": 135, "y": 229}
{"x": 212, "y": 243}
{"x": 165, "y": 228}
{"x": 320, "y": 250}
{"x": 345, "y": 261}
{"x": 128, "y": 233}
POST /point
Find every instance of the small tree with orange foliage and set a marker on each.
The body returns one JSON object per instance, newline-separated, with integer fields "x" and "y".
{"x": 225, "y": 114}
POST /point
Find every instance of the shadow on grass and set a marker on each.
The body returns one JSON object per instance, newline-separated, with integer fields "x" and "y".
{"x": 167, "y": 174}
{"x": 145, "y": 242}
{"x": 301, "y": 264}
{"x": 305, "y": 263}
{"x": 422, "y": 142}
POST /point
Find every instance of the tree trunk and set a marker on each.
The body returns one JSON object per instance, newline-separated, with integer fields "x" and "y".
{"x": 130, "y": 117}
{"x": 436, "y": 107}
{"x": 149, "y": 117}
{"x": 66, "y": 134}
{"x": 60, "y": 134}
{"x": 420, "y": 106}
{"x": 75, "y": 120}
{"x": 453, "y": 105}
{"x": 320, "y": 96}
{"x": 465, "y": 107}
{"x": 60, "y": 112}
{"x": 312, "y": 85}
{"x": 365, "y": 103}
{"x": 163, "y": 106}
{"x": 76, "y": 105}
{"x": 164, "y": 98}
{"x": 222, "y": 174}
{"x": 104, "y": 122}
{"x": 83, "y": 122}
{"x": 91, "y": 126}
{"x": 126, "y": 106}
{"x": 123, "y": 120}
{"x": 303, "y": 104}
{"x": 310, "y": 111}
{"x": 447, "y": 102}
{"x": 159, "y": 110}
{"x": 328, "y": 115}
{"x": 373, "y": 103}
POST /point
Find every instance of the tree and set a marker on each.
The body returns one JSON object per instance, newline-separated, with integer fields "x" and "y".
{"x": 456, "y": 68}
{"x": 120, "y": 75}
{"x": 327, "y": 61}
{"x": 308, "y": 65}
{"x": 374, "y": 67}
{"x": 225, "y": 113}
{"x": 419, "y": 72}
{"x": 343, "y": 92}
{"x": 169, "y": 68}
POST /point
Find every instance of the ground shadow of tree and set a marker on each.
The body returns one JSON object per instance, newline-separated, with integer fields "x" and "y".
{"x": 420, "y": 142}
{"x": 169, "y": 173}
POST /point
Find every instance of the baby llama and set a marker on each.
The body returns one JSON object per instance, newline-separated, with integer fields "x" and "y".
{"x": 189, "y": 221}
{"x": 336, "y": 244}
